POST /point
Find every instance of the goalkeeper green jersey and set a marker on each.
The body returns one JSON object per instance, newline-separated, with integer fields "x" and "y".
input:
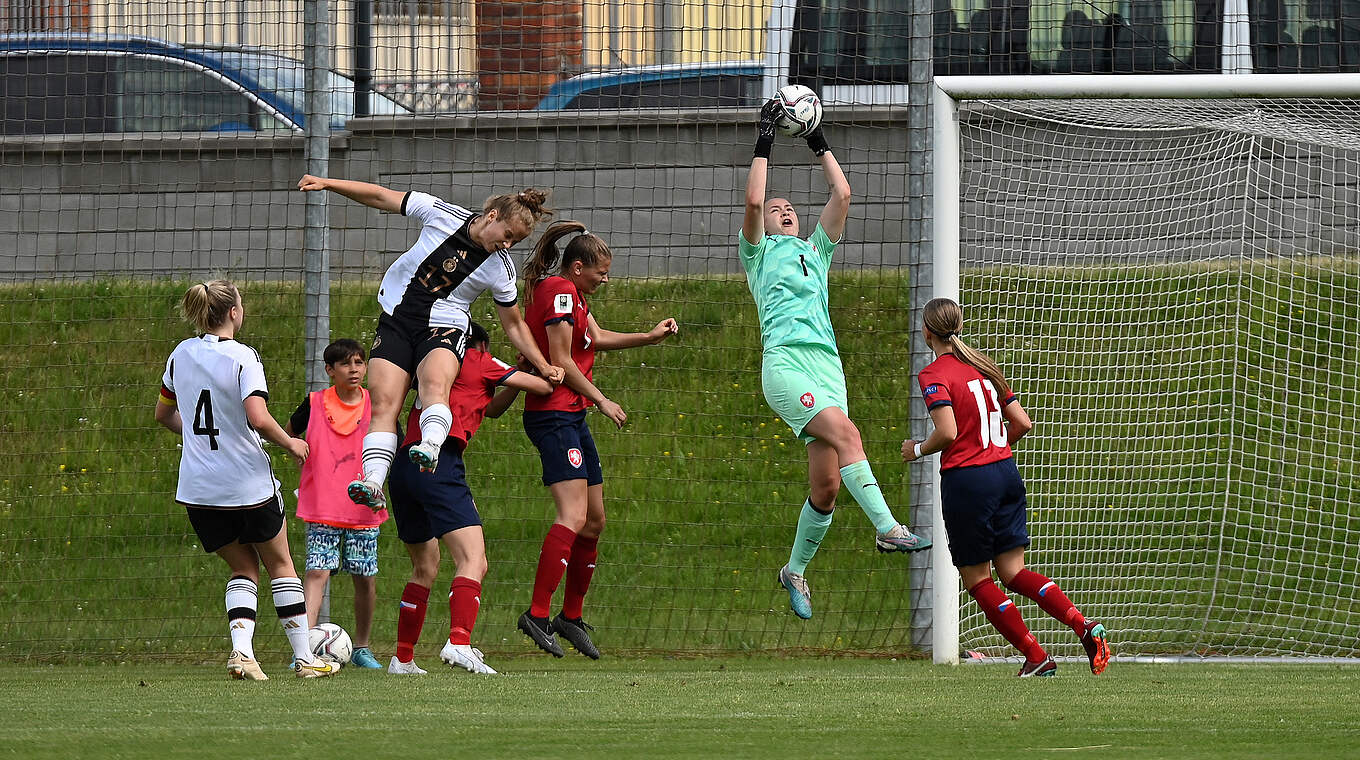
{"x": 787, "y": 278}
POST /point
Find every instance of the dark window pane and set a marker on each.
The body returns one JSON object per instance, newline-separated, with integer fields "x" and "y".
{"x": 48, "y": 94}
{"x": 154, "y": 95}
{"x": 719, "y": 90}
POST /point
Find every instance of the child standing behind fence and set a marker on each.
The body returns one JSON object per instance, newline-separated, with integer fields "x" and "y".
{"x": 341, "y": 535}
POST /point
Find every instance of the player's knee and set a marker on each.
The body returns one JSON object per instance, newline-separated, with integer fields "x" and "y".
{"x": 824, "y": 491}
{"x": 593, "y": 527}
{"x": 473, "y": 566}
{"x": 425, "y": 572}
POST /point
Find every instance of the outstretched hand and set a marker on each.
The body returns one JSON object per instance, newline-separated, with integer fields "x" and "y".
{"x": 309, "y": 183}
{"x": 817, "y": 141}
{"x": 663, "y": 330}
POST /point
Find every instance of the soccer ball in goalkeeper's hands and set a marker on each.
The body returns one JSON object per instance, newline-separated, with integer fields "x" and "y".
{"x": 800, "y": 110}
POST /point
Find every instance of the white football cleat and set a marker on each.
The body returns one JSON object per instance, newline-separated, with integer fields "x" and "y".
{"x": 244, "y": 668}
{"x": 317, "y": 668}
{"x": 425, "y": 455}
{"x": 465, "y": 657}
{"x": 398, "y": 668}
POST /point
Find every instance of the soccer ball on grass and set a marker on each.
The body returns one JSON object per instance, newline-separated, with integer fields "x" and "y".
{"x": 330, "y": 642}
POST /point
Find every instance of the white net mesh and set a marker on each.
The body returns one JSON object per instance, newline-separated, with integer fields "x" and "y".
{"x": 1174, "y": 288}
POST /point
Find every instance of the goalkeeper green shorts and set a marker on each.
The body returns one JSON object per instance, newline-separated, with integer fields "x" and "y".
{"x": 801, "y": 381}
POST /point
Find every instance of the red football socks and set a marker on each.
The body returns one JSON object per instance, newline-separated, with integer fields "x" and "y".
{"x": 410, "y": 619}
{"x": 1049, "y": 597}
{"x": 552, "y": 563}
{"x": 579, "y": 572}
{"x": 465, "y": 599}
{"x": 1005, "y": 618}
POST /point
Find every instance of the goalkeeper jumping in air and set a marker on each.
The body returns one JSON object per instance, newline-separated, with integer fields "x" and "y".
{"x": 801, "y": 370}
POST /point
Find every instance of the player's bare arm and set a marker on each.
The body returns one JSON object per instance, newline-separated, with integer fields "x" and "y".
{"x": 523, "y": 341}
{"x": 946, "y": 430}
{"x": 837, "y": 209}
{"x": 367, "y": 193}
{"x": 608, "y": 340}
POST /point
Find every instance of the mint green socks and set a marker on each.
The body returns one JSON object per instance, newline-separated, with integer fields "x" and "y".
{"x": 860, "y": 482}
{"x": 812, "y": 527}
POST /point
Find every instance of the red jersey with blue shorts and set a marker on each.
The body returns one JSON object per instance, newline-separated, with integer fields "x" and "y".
{"x": 472, "y": 391}
{"x": 556, "y": 299}
{"x": 950, "y": 381}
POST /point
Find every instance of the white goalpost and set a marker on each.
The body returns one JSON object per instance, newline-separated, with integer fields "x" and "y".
{"x": 1168, "y": 267}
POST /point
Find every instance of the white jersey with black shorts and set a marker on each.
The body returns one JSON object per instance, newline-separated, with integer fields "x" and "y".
{"x": 223, "y": 464}
{"x": 427, "y": 292}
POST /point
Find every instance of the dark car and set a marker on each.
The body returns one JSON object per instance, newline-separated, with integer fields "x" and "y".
{"x": 689, "y": 85}
{"x": 81, "y": 83}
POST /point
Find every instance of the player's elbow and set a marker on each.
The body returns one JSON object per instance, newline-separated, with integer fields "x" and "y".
{"x": 1019, "y": 427}
{"x": 841, "y": 193}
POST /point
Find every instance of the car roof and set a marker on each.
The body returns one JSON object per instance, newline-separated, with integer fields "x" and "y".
{"x": 562, "y": 92}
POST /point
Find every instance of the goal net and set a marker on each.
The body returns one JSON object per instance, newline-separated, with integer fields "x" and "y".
{"x": 1170, "y": 277}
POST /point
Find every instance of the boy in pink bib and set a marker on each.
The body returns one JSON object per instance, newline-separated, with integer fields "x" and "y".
{"x": 341, "y": 535}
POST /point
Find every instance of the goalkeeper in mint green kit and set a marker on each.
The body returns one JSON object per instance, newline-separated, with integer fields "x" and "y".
{"x": 801, "y": 368}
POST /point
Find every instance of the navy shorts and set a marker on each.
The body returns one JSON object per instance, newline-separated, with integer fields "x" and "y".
{"x": 984, "y": 511}
{"x": 428, "y": 505}
{"x": 565, "y": 446}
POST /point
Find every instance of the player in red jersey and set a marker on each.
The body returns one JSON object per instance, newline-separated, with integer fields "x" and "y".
{"x": 568, "y": 334}
{"x": 439, "y": 507}
{"x": 977, "y": 417}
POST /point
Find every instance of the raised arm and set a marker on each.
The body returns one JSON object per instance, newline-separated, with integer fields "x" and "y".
{"x": 837, "y": 209}
{"x": 753, "y": 223}
{"x": 606, "y": 340}
{"x": 520, "y": 381}
{"x": 367, "y": 193}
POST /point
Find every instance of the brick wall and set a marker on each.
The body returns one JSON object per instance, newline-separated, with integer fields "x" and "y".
{"x": 523, "y": 47}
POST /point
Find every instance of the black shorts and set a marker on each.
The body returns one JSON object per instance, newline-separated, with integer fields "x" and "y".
{"x": 984, "y": 511}
{"x": 217, "y": 527}
{"x": 427, "y": 505}
{"x": 406, "y": 344}
{"x": 565, "y": 446}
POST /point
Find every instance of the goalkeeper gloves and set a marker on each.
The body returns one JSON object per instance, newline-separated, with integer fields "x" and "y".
{"x": 817, "y": 141}
{"x": 765, "y": 140}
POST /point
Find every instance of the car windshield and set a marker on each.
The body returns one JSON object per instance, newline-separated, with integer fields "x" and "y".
{"x": 285, "y": 76}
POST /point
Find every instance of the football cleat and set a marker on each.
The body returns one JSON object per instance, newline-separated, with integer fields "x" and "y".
{"x": 317, "y": 668}
{"x": 574, "y": 631}
{"x": 398, "y": 668}
{"x": 244, "y": 668}
{"x": 466, "y": 657}
{"x": 800, "y": 598}
{"x": 1097, "y": 646}
{"x": 367, "y": 493}
{"x": 363, "y": 658}
{"x": 425, "y": 455}
{"x": 1044, "y": 668}
{"x": 900, "y": 539}
{"x": 540, "y": 630}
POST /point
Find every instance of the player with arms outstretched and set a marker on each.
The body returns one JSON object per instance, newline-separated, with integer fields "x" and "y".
{"x": 801, "y": 371}
{"x": 430, "y": 509}
{"x": 226, "y": 483}
{"x": 977, "y": 417}
{"x": 425, "y": 296}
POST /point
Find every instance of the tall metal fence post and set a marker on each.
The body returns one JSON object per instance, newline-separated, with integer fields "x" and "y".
{"x": 316, "y": 277}
{"x": 920, "y": 210}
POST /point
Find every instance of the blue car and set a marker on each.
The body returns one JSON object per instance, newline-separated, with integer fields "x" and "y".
{"x": 80, "y": 84}
{"x": 726, "y": 84}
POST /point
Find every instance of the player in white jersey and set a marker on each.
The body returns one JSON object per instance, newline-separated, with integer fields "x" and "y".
{"x": 225, "y": 481}
{"x": 425, "y": 296}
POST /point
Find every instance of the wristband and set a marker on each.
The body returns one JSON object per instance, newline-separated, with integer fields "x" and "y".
{"x": 917, "y": 449}
{"x": 763, "y": 146}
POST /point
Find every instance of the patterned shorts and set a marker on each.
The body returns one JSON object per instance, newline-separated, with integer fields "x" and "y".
{"x": 349, "y": 550}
